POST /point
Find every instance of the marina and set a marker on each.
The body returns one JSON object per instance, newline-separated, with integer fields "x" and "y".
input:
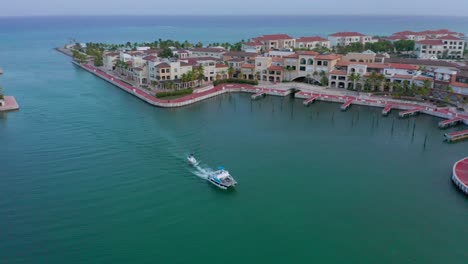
{"x": 258, "y": 95}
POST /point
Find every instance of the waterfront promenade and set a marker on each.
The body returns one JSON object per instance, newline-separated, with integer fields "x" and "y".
{"x": 306, "y": 92}
{"x": 460, "y": 174}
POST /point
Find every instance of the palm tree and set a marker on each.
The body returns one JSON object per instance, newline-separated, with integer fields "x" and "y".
{"x": 231, "y": 71}
{"x": 355, "y": 78}
{"x": 314, "y": 75}
{"x": 308, "y": 78}
{"x": 200, "y": 74}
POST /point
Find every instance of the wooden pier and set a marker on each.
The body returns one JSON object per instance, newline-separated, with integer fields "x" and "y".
{"x": 408, "y": 113}
{"x": 456, "y": 136}
{"x": 346, "y": 105}
{"x": 311, "y": 99}
{"x": 387, "y": 109}
{"x": 258, "y": 95}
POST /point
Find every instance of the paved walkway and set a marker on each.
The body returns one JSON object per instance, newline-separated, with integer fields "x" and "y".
{"x": 282, "y": 89}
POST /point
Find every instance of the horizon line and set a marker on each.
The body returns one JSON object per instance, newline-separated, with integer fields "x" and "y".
{"x": 229, "y": 15}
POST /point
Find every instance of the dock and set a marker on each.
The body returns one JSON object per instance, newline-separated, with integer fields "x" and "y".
{"x": 346, "y": 105}
{"x": 410, "y": 112}
{"x": 460, "y": 174}
{"x": 456, "y": 136}
{"x": 258, "y": 95}
{"x": 387, "y": 109}
{"x": 9, "y": 104}
{"x": 450, "y": 122}
{"x": 311, "y": 99}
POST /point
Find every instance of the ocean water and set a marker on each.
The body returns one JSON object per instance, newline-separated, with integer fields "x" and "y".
{"x": 90, "y": 174}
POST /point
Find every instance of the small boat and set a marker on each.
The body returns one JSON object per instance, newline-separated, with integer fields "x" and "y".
{"x": 222, "y": 179}
{"x": 191, "y": 160}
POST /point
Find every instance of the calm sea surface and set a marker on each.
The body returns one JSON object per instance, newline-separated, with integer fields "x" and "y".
{"x": 89, "y": 174}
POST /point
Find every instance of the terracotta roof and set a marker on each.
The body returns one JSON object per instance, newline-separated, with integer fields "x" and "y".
{"x": 337, "y": 72}
{"x": 402, "y": 66}
{"x": 150, "y": 58}
{"x": 221, "y": 66}
{"x": 434, "y": 42}
{"x": 273, "y": 37}
{"x": 396, "y": 37}
{"x": 310, "y": 39}
{"x": 402, "y": 76}
{"x": 328, "y": 57}
{"x": 292, "y": 56}
{"x": 248, "y": 66}
{"x": 276, "y": 59}
{"x": 240, "y": 54}
{"x": 183, "y": 64}
{"x": 406, "y": 32}
{"x": 347, "y": 34}
{"x": 449, "y": 37}
{"x": 197, "y": 59}
{"x": 459, "y": 84}
{"x": 307, "y": 52}
{"x": 113, "y": 54}
{"x": 163, "y": 65}
{"x": 137, "y": 69}
{"x": 439, "y": 63}
{"x": 253, "y": 43}
{"x": 236, "y": 60}
{"x": 422, "y": 78}
{"x": 219, "y": 50}
{"x": 275, "y": 68}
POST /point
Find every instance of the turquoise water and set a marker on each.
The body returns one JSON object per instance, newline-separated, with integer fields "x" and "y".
{"x": 91, "y": 174}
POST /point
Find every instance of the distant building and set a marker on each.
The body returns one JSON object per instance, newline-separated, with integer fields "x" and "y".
{"x": 445, "y": 47}
{"x": 312, "y": 43}
{"x": 275, "y": 41}
{"x": 347, "y": 38}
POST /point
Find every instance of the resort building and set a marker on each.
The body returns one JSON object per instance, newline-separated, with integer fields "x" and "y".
{"x": 247, "y": 57}
{"x": 366, "y": 56}
{"x": 448, "y": 47}
{"x": 110, "y": 59}
{"x": 312, "y": 43}
{"x": 208, "y": 52}
{"x": 275, "y": 41}
{"x": 387, "y": 73}
{"x": 252, "y": 46}
{"x": 347, "y": 38}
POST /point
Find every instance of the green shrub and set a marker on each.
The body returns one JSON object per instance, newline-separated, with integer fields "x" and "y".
{"x": 251, "y": 82}
{"x": 174, "y": 93}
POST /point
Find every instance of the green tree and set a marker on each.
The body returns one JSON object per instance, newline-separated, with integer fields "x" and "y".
{"x": 166, "y": 53}
{"x": 404, "y": 45}
{"x": 1, "y": 92}
{"x": 231, "y": 71}
{"x": 355, "y": 78}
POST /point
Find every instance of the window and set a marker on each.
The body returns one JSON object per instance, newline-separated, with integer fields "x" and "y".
{"x": 303, "y": 61}
{"x": 319, "y": 63}
{"x": 325, "y": 63}
{"x": 302, "y": 68}
{"x": 310, "y": 62}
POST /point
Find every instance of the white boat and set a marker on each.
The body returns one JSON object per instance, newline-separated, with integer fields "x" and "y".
{"x": 191, "y": 160}
{"x": 222, "y": 179}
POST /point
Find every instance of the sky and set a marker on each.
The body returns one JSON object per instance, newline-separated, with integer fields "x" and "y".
{"x": 217, "y": 7}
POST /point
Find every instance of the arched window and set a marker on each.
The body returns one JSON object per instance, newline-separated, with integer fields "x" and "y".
{"x": 303, "y": 61}
{"x": 310, "y": 61}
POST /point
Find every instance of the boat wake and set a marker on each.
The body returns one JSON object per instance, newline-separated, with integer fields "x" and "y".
{"x": 201, "y": 171}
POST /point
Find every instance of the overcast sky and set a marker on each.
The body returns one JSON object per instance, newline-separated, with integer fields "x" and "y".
{"x": 219, "y": 7}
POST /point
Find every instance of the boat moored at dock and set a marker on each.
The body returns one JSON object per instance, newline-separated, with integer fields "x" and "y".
{"x": 222, "y": 179}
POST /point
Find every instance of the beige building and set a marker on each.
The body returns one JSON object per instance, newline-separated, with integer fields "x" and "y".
{"x": 347, "y": 38}
{"x": 312, "y": 43}
{"x": 275, "y": 41}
